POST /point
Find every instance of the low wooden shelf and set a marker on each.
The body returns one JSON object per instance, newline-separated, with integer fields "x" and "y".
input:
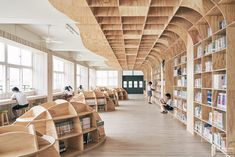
{"x": 64, "y": 121}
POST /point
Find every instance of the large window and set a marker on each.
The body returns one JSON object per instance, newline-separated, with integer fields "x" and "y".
{"x": 107, "y": 78}
{"x": 132, "y": 73}
{"x": 58, "y": 74}
{"x": 2, "y": 79}
{"x": 19, "y": 66}
{"x": 92, "y": 78}
{"x": 82, "y": 76}
{"x": 2, "y": 52}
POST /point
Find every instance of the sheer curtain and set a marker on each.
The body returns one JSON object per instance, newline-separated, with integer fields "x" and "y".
{"x": 69, "y": 74}
{"x": 40, "y": 73}
{"x": 92, "y": 79}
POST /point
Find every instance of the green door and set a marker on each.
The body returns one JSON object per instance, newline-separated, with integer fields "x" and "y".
{"x": 133, "y": 84}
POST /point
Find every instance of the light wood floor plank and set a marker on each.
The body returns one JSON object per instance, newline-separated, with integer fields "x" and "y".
{"x": 139, "y": 129}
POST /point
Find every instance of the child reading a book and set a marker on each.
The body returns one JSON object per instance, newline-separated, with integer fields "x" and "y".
{"x": 167, "y": 104}
{"x": 149, "y": 92}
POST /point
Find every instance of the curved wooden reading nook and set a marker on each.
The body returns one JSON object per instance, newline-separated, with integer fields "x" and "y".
{"x": 23, "y": 141}
{"x": 122, "y": 94}
{"x": 75, "y": 126}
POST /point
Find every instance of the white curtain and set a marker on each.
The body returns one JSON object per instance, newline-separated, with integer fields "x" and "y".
{"x": 69, "y": 74}
{"x": 40, "y": 73}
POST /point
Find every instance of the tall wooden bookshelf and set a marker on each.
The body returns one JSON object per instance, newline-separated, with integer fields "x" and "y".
{"x": 214, "y": 96}
{"x": 157, "y": 81}
{"x": 180, "y": 87}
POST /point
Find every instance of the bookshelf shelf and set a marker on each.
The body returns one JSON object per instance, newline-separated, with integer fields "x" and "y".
{"x": 213, "y": 64}
{"x": 180, "y": 87}
{"x": 70, "y": 123}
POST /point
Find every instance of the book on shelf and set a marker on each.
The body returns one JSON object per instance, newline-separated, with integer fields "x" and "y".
{"x": 198, "y": 68}
{"x": 219, "y": 81}
{"x": 209, "y": 31}
{"x": 220, "y": 43}
{"x": 62, "y": 147}
{"x": 85, "y": 122}
{"x": 210, "y": 48}
{"x": 87, "y": 138}
{"x": 219, "y": 139}
{"x": 64, "y": 127}
{"x": 198, "y": 111}
{"x": 222, "y": 101}
{"x": 207, "y": 133}
{"x": 198, "y": 82}
{"x": 184, "y": 71}
{"x": 208, "y": 66}
{"x": 209, "y": 97}
{"x": 176, "y": 61}
{"x": 222, "y": 24}
{"x": 198, "y": 97}
{"x": 199, "y": 51}
{"x": 100, "y": 122}
{"x": 198, "y": 126}
{"x": 219, "y": 119}
{"x": 210, "y": 117}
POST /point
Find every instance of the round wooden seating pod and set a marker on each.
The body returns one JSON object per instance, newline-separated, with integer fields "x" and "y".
{"x": 112, "y": 95}
{"x": 98, "y": 100}
{"x": 122, "y": 94}
{"x": 20, "y": 141}
{"x": 74, "y": 125}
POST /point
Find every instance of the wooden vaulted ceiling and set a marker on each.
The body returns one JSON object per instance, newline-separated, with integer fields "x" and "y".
{"x": 132, "y": 27}
{"x": 139, "y": 34}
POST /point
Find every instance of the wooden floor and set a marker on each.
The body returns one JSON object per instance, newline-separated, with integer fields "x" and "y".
{"x": 139, "y": 129}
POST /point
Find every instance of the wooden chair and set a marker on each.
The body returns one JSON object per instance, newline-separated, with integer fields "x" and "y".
{"x": 4, "y": 117}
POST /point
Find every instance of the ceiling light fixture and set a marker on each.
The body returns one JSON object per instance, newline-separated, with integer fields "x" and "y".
{"x": 71, "y": 30}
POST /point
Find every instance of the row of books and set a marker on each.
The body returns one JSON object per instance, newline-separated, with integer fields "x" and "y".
{"x": 62, "y": 146}
{"x": 207, "y": 133}
{"x": 85, "y": 122}
{"x": 182, "y": 59}
{"x": 209, "y": 97}
{"x": 222, "y": 101}
{"x": 198, "y": 68}
{"x": 198, "y": 111}
{"x": 208, "y": 66}
{"x": 218, "y": 44}
{"x": 182, "y": 82}
{"x": 179, "y": 103}
{"x": 219, "y": 139}
{"x": 87, "y": 138}
{"x": 198, "y": 97}
{"x": 219, "y": 119}
{"x": 64, "y": 127}
{"x": 180, "y": 93}
{"x": 219, "y": 81}
{"x": 198, "y": 83}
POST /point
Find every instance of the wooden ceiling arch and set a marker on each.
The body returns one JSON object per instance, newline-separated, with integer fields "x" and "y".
{"x": 136, "y": 32}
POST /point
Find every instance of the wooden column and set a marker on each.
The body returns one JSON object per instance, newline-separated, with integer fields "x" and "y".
{"x": 50, "y": 77}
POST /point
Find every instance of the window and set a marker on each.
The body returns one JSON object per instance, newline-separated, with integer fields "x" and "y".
{"x": 14, "y": 76}
{"x": 58, "y": 74}
{"x": 84, "y": 77}
{"x": 125, "y": 84}
{"x": 13, "y": 55}
{"x": 27, "y": 79}
{"x": 92, "y": 79}
{"x": 2, "y": 53}
{"x": 26, "y": 57}
{"x": 107, "y": 78}
{"x": 2, "y": 79}
{"x": 140, "y": 84}
{"x": 135, "y": 84}
{"x": 130, "y": 84}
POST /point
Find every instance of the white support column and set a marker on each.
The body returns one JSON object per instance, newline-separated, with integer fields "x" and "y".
{"x": 162, "y": 83}
{"x": 50, "y": 77}
{"x": 190, "y": 82}
{"x": 75, "y": 79}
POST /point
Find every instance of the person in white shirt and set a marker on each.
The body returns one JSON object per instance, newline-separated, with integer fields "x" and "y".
{"x": 21, "y": 100}
{"x": 167, "y": 104}
{"x": 149, "y": 92}
{"x": 68, "y": 90}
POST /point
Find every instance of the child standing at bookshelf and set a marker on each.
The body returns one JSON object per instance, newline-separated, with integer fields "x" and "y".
{"x": 167, "y": 104}
{"x": 149, "y": 92}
